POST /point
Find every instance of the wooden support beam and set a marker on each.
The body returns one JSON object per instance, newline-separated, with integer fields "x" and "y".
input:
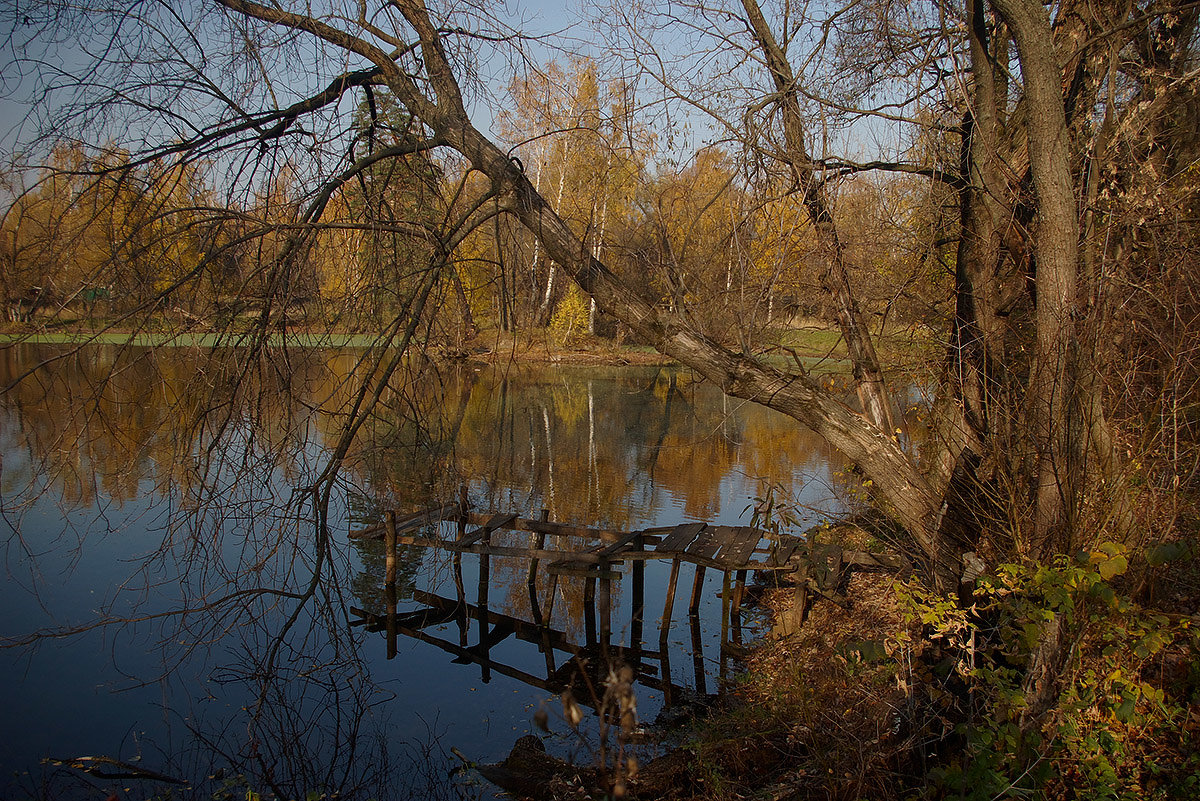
{"x": 531, "y": 580}
{"x": 589, "y": 609}
{"x": 484, "y": 581}
{"x": 409, "y": 522}
{"x": 569, "y": 530}
{"x": 525, "y": 631}
{"x": 575, "y": 568}
{"x": 483, "y": 532}
{"x": 698, "y": 655}
{"x": 418, "y": 619}
{"x": 725, "y": 599}
{"x": 460, "y": 592}
{"x": 390, "y": 599}
{"x": 389, "y": 549}
{"x": 489, "y": 665}
{"x": 605, "y": 609}
{"x": 664, "y": 625}
{"x": 637, "y": 599}
{"x": 613, "y": 549}
{"x": 697, "y": 585}
{"x": 498, "y": 634}
{"x": 739, "y": 591}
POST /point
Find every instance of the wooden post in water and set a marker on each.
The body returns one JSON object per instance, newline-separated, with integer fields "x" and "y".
{"x": 531, "y": 581}
{"x": 460, "y": 595}
{"x": 605, "y": 607}
{"x": 389, "y": 548}
{"x": 389, "y": 581}
{"x": 665, "y": 659}
{"x": 739, "y": 591}
{"x": 484, "y": 567}
{"x": 697, "y": 585}
{"x": 460, "y": 589}
{"x": 638, "y": 569}
{"x": 589, "y": 608}
{"x": 546, "y": 648}
{"x": 726, "y": 597}
{"x": 697, "y": 654}
{"x": 664, "y": 627}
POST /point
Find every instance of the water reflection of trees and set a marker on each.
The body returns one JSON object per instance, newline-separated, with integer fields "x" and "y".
{"x": 248, "y": 564}
{"x": 217, "y": 452}
{"x": 107, "y": 419}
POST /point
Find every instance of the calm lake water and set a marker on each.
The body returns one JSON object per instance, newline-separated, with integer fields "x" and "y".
{"x": 173, "y": 602}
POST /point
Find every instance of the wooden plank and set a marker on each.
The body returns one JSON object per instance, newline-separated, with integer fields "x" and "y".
{"x": 708, "y": 542}
{"x": 494, "y": 522}
{"x": 503, "y": 550}
{"x": 680, "y": 537}
{"x": 553, "y": 529}
{"x": 620, "y": 545}
{"x": 783, "y": 553}
{"x": 883, "y": 561}
{"x": 577, "y": 569}
{"x": 740, "y": 544}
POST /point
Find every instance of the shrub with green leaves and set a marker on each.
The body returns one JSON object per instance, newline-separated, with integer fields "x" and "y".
{"x": 1122, "y": 727}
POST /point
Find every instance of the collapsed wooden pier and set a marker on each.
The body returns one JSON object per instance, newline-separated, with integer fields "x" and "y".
{"x": 733, "y": 550}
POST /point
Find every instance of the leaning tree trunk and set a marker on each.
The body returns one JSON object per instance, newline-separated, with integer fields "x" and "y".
{"x": 868, "y": 374}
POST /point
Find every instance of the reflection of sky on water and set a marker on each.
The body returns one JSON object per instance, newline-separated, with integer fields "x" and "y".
{"x": 594, "y": 446}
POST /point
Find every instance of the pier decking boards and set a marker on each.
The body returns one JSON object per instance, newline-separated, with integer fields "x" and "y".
{"x": 719, "y": 547}
{"x": 595, "y": 554}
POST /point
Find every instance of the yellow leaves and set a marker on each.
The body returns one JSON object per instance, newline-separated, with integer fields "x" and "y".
{"x": 1110, "y": 560}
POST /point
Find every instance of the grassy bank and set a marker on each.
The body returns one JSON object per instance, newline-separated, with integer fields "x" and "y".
{"x": 817, "y": 347}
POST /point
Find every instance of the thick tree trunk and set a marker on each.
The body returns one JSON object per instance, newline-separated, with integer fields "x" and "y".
{"x": 1063, "y": 387}
{"x": 1054, "y": 379}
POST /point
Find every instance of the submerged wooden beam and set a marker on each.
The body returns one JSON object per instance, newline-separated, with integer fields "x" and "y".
{"x": 697, "y": 585}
